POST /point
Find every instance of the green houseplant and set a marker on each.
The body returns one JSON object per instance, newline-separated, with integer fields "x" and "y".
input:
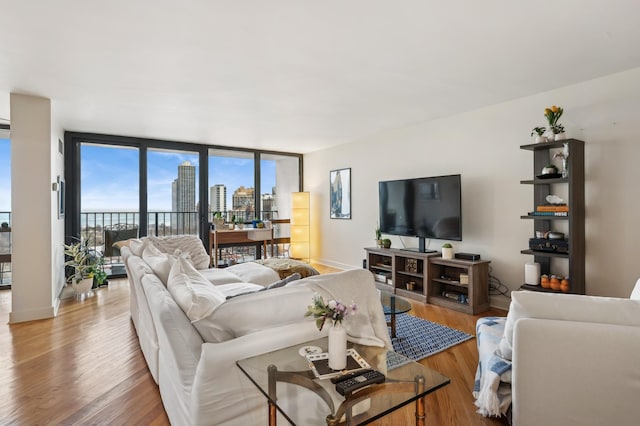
{"x": 447, "y": 251}
{"x": 87, "y": 266}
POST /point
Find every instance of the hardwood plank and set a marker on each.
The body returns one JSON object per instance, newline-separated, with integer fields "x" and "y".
{"x": 85, "y": 367}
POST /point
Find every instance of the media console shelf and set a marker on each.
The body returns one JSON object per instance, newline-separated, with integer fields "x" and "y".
{"x": 428, "y": 278}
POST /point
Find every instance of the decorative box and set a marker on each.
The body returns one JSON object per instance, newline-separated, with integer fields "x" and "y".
{"x": 545, "y": 244}
{"x": 411, "y": 265}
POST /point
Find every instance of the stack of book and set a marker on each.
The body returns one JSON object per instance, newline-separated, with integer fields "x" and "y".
{"x": 551, "y": 210}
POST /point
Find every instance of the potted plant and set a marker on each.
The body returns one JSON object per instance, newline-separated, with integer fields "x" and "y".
{"x": 378, "y": 237}
{"x": 87, "y": 267}
{"x": 447, "y": 251}
{"x": 386, "y": 243}
{"x": 239, "y": 223}
{"x": 218, "y": 220}
{"x": 232, "y": 225}
{"x": 539, "y": 132}
{"x": 556, "y": 130}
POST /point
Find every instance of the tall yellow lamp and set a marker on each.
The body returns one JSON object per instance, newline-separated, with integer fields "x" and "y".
{"x": 300, "y": 224}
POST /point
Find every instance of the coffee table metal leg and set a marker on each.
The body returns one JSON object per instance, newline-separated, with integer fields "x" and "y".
{"x": 393, "y": 325}
{"x": 272, "y": 380}
{"x": 420, "y": 402}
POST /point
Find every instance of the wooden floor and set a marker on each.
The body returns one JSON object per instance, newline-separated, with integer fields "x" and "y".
{"x": 85, "y": 367}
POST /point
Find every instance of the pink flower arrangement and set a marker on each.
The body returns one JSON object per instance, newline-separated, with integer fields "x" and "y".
{"x": 334, "y": 310}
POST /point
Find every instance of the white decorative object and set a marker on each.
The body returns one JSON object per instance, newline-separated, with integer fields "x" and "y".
{"x": 532, "y": 273}
{"x": 559, "y": 136}
{"x": 540, "y": 139}
{"x": 554, "y": 199}
{"x": 337, "y": 347}
{"x": 83, "y": 287}
{"x": 447, "y": 252}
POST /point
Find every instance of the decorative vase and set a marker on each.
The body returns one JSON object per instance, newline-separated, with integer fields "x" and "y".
{"x": 559, "y": 136}
{"x": 83, "y": 287}
{"x": 447, "y": 252}
{"x": 540, "y": 139}
{"x": 337, "y": 347}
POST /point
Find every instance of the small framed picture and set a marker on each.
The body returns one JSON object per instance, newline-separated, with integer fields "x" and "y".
{"x": 340, "y": 194}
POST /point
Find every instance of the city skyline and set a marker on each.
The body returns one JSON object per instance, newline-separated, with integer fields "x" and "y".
{"x": 110, "y": 174}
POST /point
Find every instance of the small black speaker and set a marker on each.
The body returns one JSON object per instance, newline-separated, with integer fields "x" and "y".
{"x": 467, "y": 256}
{"x": 364, "y": 263}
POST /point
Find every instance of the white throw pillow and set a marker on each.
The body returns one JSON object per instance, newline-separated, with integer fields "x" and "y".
{"x": 159, "y": 262}
{"x": 186, "y": 244}
{"x": 197, "y": 297}
{"x": 251, "y": 272}
{"x": 136, "y": 246}
{"x": 566, "y": 307}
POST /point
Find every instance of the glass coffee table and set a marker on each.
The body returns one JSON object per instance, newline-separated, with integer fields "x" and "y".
{"x": 393, "y": 305}
{"x": 406, "y": 382}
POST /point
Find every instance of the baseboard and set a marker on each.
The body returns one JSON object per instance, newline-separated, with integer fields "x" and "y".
{"x": 333, "y": 264}
{"x": 32, "y": 314}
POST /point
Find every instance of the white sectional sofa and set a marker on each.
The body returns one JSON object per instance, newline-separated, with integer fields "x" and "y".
{"x": 191, "y": 336}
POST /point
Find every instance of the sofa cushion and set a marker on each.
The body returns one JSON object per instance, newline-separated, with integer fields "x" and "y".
{"x": 252, "y": 272}
{"x": 159, "y": 262}
{"x": 237, "y": 289}
{"x": 197, "y": 297}
{"x": 258, "y": 311}
{"x": 219, "y": 276}
{"x": 186, "y": 244}
{"x": 568, "y": 307}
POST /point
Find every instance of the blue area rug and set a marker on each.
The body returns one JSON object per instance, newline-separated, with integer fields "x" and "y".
{"x": 417, "y": 339}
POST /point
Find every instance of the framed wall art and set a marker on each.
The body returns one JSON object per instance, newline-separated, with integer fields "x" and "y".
{"x": 340, "y": 194}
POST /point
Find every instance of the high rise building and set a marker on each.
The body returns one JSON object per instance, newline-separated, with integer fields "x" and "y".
{"x": 183, "y": 198}
{"x": 243, "y": 203}
{"x": 267, "y": 206}
{"x": 218, "y": 198}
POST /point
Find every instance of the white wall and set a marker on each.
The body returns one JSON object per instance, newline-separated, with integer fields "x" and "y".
{"x": 36, "y": 274}
{"x": 483, "y": 145}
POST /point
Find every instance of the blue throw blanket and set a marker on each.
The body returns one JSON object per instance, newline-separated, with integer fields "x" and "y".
{"x": 492, "y": 387}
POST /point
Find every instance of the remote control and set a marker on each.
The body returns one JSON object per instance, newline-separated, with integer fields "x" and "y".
{"x": 349, "y": 375}
{"x": 359, "y": 381}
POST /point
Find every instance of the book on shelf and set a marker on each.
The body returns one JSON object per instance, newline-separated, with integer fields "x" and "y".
{"x": 552, "y": 208}
{"x": 548, "y": 213}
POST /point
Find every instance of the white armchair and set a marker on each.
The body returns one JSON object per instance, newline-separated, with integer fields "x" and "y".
{"x": 574, "y": 359}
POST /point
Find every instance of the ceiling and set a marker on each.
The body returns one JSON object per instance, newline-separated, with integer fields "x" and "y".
{"x": 299, "y": 75}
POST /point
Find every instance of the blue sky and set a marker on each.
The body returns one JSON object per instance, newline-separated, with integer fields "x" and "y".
{"x": 110, "y": 176}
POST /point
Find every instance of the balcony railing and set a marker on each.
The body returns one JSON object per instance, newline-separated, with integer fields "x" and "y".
{"x": 95, "y": 226}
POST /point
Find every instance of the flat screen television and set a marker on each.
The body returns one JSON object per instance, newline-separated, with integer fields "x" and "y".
{"x": 428, "y": 207}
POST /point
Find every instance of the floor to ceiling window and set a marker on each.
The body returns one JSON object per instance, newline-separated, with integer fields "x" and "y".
{"x": 172, "y": 192}
{"x": 5, "y": 211}
{"x": 109, "y": 197}
{"x": 153, "y": 187}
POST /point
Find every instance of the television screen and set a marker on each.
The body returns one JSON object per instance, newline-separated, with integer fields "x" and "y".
{"x": 428, "y": 207}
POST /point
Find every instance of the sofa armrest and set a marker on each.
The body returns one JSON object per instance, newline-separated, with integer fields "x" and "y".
{"x": 575, "y": 373}
{"x": 222, "y": 390}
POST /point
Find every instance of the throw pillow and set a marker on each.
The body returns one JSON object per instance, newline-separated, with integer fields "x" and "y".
{"x": 566, "y": 307}
{"x": 190, "y": 244}
{"x": 136, "y": 246}
{"x": 159, "y": 262}
{"x": 196, "y": 296}
{"x": 284, "y": 282}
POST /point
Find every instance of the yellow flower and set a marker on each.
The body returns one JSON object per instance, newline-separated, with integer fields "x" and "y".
{"x": 554, "y": 109}
{"x": 547, "y": 111}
